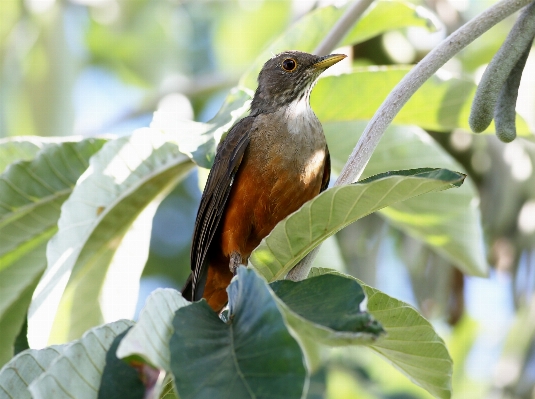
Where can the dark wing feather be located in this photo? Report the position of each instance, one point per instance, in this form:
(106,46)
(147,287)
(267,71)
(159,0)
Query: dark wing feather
(326,171)
(214,198)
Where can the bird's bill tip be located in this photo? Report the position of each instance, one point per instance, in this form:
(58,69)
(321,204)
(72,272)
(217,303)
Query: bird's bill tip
(329,60)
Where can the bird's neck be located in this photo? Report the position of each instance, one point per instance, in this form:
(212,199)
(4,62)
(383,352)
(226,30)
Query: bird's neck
(265,102)
(300,118)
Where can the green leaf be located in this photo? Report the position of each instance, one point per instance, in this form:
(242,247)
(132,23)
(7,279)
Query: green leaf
(441,104)
(330,303)
(411,344)
(123,178)
(336,208)
(14,149)
(13,316)
(387,15)
(77,372)
(199,140)
(251,356)
(233,19)
(169,391)
(310,30)
(148,340)
(31,194)
(25,148)
(24,368)
(449,222)
(119,380)
(325,310)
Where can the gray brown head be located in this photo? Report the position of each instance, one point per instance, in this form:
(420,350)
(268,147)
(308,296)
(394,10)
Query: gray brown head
(288,77)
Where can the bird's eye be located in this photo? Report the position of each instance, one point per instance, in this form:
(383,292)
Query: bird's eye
(289,64)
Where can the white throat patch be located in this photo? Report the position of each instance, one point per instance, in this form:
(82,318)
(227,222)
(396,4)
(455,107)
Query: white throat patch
(301,119)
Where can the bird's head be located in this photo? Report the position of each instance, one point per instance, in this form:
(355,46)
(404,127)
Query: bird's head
(289,77)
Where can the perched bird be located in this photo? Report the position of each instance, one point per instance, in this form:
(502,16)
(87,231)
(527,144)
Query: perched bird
(269,164)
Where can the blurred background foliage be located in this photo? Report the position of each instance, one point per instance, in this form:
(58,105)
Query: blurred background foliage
(91,67)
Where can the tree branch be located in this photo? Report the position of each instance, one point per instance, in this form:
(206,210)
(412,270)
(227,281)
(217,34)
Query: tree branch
(342,26)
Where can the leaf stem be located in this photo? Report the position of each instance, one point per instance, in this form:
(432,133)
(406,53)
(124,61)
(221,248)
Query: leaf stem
(415,78)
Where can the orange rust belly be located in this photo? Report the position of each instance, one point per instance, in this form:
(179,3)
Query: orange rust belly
(260,198)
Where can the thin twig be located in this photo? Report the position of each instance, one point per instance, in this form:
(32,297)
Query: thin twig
(402,93)
(342,27)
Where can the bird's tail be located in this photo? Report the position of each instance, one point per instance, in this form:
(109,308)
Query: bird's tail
(214,290)
(187,290)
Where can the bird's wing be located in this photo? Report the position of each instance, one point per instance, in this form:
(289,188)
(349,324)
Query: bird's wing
(214,198)
(326,171)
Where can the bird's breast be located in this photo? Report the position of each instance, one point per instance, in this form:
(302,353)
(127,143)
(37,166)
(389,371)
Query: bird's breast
(291,139)
(282,168)
(287,156)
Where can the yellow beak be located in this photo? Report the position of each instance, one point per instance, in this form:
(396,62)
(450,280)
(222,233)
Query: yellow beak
(329,60)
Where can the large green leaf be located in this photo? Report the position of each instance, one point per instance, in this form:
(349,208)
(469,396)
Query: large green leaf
(340,313)
(77,371)
(251,356)
(336,208)
(441,104)
(449,222)
(309,31)
(23,369)
(148,340)
(31,194)
(411,343)
(123,178)
(325,310)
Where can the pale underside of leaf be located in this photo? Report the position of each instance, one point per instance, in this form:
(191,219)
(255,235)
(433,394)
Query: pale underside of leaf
(331,211)
(123,178)
(77,372)
(149,338)
(16,376)
(411,344)
(448,221)
(32,191)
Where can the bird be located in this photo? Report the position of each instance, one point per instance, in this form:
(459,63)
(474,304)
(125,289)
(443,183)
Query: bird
(269,164)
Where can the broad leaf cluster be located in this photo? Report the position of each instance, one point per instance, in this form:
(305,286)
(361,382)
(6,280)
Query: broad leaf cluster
(71,211)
